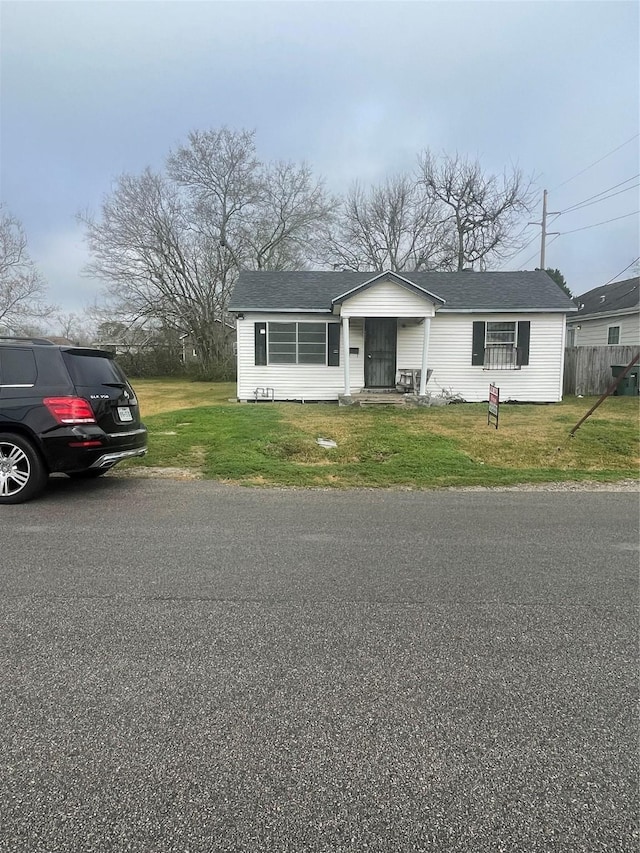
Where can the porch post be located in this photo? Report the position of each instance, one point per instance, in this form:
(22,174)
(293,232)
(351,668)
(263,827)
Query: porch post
(345,350)
(425,354)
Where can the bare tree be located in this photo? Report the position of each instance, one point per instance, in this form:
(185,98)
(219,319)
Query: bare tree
(154,264)
(74,327)
(480,211)
(284,229)
(22,289)
(169,247)
(390,226)
(261,216)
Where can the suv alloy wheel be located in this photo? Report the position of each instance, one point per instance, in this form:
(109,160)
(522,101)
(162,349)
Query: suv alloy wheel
(63,410)
(22,474)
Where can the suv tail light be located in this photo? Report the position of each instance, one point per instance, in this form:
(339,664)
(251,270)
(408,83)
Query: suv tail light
(70,410)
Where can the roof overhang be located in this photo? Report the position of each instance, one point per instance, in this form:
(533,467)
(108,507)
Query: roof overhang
(606,315)
(506,310)
(281,311)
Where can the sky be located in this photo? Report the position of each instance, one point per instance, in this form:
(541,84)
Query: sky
(95,89)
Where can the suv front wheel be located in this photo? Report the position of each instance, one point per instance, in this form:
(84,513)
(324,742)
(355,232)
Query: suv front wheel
(22,473)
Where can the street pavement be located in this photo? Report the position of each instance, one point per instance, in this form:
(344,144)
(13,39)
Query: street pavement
(191,667)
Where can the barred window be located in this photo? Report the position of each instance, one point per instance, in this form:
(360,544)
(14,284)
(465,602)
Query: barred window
(501,345)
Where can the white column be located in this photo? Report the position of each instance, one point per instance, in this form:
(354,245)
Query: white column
(425,355)
(345,356)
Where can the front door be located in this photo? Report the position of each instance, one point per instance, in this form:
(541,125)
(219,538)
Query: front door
(380,352)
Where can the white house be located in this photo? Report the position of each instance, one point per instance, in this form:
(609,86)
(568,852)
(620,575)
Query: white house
(333,335)
(608,315)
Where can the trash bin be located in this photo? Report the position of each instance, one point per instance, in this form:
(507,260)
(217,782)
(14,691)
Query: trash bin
(630,385)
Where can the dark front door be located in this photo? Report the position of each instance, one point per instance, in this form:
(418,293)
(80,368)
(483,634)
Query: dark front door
(380,352)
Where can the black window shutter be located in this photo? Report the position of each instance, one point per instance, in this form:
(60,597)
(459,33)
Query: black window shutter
(477,352)
(524,336)
(261,343)
(333,344)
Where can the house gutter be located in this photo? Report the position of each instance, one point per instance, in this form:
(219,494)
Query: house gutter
(506,310)
(603,315)
(440,310)
(281,311)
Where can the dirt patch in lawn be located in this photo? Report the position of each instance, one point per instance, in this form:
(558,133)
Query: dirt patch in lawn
(157,473)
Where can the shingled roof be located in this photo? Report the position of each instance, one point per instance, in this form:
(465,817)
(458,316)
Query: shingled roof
(609,298)
(266,291)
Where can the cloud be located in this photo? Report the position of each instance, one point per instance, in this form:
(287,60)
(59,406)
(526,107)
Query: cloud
(60,257)
(94,89)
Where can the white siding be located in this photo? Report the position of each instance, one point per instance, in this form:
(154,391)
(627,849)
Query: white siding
(594,333)
(409,347)
(295,381)
(387,299)
(450,358)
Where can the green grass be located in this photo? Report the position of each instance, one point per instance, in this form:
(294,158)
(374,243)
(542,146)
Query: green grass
(275,444)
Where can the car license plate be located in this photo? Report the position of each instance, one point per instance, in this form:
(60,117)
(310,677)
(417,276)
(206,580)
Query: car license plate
(124,413)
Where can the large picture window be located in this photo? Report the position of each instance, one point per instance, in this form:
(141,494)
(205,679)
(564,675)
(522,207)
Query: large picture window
(297,343)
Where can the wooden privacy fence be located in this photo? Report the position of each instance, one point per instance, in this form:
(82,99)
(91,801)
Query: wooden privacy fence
(587,370)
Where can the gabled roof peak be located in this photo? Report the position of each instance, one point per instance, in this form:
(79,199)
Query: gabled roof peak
(385,275)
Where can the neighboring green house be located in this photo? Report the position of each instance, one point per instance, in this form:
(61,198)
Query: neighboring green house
(607,316)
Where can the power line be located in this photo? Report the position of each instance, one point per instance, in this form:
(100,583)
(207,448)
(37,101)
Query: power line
(593,199)
(584,228)
(596,224)
(535,254)
(595,163)
(526,246)
(635,261)
(604,198)
(511,259)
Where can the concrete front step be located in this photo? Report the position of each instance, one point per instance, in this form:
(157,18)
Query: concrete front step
(381,399)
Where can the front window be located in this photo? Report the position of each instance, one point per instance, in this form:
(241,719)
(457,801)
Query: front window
(297,343)
(500,345)
(613,337)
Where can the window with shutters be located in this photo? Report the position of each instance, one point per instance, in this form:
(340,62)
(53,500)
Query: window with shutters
(302,343)
(501,345)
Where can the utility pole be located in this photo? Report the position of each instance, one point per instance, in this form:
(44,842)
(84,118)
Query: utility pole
(545,233)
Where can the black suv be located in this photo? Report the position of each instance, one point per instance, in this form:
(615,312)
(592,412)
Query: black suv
(62,409)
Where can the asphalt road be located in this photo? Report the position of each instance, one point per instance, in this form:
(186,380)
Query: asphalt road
(192,667)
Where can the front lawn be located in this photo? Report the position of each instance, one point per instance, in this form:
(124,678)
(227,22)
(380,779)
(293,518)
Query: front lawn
(193,426)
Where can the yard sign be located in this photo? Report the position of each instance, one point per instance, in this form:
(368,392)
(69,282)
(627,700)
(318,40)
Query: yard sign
(494,404)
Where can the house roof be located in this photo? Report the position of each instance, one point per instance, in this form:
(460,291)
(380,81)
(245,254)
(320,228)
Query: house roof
(267,291)
(60,340)
(609,298)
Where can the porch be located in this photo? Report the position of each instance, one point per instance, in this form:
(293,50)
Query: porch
(385,355)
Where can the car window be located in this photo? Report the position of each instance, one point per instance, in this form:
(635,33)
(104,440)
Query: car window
(17,367)
(92,369)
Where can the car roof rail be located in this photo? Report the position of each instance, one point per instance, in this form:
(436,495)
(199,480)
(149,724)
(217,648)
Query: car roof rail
(28,340)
